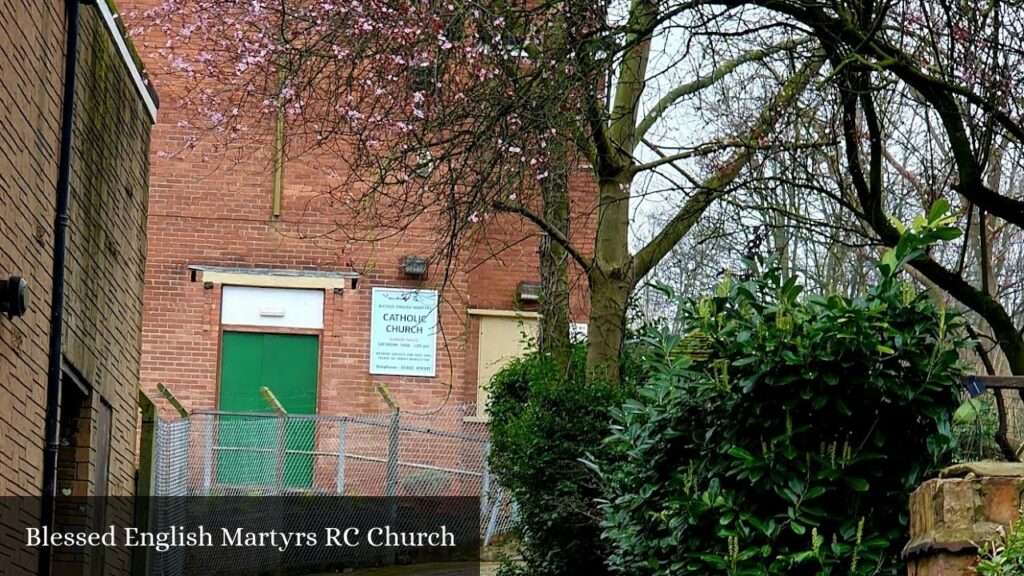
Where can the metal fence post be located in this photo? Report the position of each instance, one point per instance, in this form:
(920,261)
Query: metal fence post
(282,437)
(282,448)
(392,461)
(485,479)
(340,477)
(208,454)
(492,522)
(159,451)
(391,488)
(183,436)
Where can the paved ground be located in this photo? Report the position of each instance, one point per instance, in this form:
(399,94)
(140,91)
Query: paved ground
(486,569)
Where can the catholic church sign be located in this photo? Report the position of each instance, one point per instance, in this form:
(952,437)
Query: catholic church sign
(403,332)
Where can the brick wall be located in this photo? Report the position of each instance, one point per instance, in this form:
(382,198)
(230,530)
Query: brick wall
(214,208)
(106,250)
(106,236)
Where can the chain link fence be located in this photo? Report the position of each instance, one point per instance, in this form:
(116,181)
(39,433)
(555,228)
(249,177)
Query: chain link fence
(396,454)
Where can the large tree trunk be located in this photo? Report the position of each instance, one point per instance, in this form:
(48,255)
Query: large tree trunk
(553,339)
(609,296)
(611,281)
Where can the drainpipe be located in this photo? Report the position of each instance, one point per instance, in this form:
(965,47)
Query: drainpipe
(60,225)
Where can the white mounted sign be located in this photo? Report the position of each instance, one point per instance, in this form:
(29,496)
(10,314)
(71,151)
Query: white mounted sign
(403,332)
(274,307)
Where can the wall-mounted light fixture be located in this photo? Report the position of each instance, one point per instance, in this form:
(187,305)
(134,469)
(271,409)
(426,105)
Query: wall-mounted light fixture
(424,165)
(13,296)
(529,291)
(415,266)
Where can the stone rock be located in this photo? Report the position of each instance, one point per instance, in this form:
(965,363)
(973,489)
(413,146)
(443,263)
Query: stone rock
(952,516)
(990,469)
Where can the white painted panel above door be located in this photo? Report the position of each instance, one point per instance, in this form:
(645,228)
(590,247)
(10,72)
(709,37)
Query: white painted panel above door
(275,307)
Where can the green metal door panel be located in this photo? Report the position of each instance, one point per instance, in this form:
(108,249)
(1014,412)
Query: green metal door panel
(290,370)
(240,376)
(286,364)
(237,461)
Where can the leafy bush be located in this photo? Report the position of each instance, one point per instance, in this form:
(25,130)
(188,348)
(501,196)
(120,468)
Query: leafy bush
(542,423)
(1004,558)
(782,435)
(975,424)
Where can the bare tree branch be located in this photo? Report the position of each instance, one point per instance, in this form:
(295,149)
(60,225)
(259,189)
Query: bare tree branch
(683,90)
(548,229)
(718,184)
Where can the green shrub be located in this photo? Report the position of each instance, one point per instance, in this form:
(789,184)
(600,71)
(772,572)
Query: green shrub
(783,435)
(1005,558)
(543,423)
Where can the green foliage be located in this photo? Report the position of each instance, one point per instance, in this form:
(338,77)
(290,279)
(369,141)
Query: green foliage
(791,443)
(975,424)
(935,226)
(1004,558)
(542,424)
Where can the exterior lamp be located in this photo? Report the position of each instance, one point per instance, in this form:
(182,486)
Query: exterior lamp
(424,164)
(529,291)
(414,266)
(13,296)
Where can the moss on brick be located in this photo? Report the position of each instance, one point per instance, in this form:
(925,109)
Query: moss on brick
(132,50)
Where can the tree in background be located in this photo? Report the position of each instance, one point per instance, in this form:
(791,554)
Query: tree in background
(922,101)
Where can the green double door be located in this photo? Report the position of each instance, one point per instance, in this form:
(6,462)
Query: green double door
(287,365)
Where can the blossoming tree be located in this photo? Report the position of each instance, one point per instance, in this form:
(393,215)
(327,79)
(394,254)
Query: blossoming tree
(464,110)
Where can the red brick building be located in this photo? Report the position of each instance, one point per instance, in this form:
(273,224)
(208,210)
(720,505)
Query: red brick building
(233,279)
(106,238)
(105,259)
